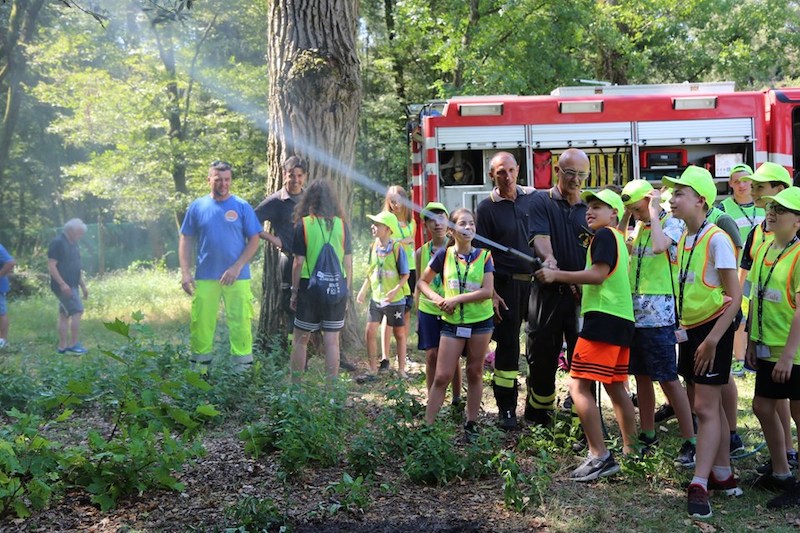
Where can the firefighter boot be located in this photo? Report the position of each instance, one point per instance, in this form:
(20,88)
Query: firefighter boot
(506,399)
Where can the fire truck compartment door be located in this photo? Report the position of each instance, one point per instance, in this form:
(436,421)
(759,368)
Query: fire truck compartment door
(584,135)
(480,137)
(712,131)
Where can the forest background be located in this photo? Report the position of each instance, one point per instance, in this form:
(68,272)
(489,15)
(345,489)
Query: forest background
(113,109)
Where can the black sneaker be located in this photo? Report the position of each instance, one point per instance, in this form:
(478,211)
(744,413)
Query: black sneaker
(773,484)
(593,468)
(698,502)
(508,421)
(685,456)
(346,365)
(384,366)
(538,417)
(647,443)
(766,466)
(470,432)
(790,498)
(664,413)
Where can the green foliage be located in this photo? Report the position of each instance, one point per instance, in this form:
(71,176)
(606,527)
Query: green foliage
(305,425)
(251,514)
(433,460)
(28,466)
(349,494)
(521,488)
(17,388)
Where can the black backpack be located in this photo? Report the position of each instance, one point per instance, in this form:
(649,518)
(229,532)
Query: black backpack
(327,284)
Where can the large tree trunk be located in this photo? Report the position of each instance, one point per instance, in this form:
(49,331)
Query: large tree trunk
(314,103)
(21,26)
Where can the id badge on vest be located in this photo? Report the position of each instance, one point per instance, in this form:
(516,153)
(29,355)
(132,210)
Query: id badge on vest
(681,335)
(762,351)
(463,333)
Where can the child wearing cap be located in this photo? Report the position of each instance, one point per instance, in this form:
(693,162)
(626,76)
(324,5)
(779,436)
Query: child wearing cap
(747,215)
(769,179)
(387,274)
(653,251)
(709,298)
(429,321)
(774,344)
(602,351)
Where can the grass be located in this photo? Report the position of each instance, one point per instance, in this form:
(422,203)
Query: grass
(647,497)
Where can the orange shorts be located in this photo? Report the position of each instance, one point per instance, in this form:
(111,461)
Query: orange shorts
(599,361)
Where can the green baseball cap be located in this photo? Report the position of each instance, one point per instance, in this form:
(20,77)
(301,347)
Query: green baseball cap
(635,190)
(608,197)
(700,180)
(741,167)
(788,198)
(770,171)
(433,207)
(387,219)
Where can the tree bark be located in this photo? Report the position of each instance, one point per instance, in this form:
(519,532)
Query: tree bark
(21,25)
(314,103)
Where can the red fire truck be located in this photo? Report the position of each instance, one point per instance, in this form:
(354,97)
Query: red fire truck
(628,131)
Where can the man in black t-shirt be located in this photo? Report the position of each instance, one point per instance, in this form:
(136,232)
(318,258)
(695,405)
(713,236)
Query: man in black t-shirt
(278,209)
(503,218)
(560,236)
(64,265)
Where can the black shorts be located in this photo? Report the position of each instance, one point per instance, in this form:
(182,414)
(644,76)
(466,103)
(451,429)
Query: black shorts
(767,388)
(311,316)
(721,370)
(394,313)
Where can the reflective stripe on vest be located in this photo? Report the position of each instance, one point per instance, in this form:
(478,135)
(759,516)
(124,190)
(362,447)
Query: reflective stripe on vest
(473,311)
(425,305)
(700,300)
(383,274)
(611,296)
(317,232)
(779,299)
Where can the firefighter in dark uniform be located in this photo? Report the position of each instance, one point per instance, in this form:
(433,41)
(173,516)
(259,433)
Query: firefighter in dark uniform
(503,218)
(560,238)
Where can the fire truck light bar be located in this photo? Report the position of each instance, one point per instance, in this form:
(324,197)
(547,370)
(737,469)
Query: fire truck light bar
(480,110)
(694,102)
(591,106)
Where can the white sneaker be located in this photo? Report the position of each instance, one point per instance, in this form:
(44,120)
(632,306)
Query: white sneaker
(3,343)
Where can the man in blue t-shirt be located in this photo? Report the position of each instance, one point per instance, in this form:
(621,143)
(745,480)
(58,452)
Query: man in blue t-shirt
(7,264)
(224,229)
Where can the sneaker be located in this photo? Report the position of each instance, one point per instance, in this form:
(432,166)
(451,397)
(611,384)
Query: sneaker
(790,498)
(347,366)
(3,343)
(647,443)
(728,487)
(593,468)
(61,351)
(508,420)
(77,349)
(737,368)
(566,405)
(456,401)
(366,378)
(698,502)
(664,413)
(686,455)
(384,366)
(563,364)
(766,466)
(736,444)
(470,432)
(773,484)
